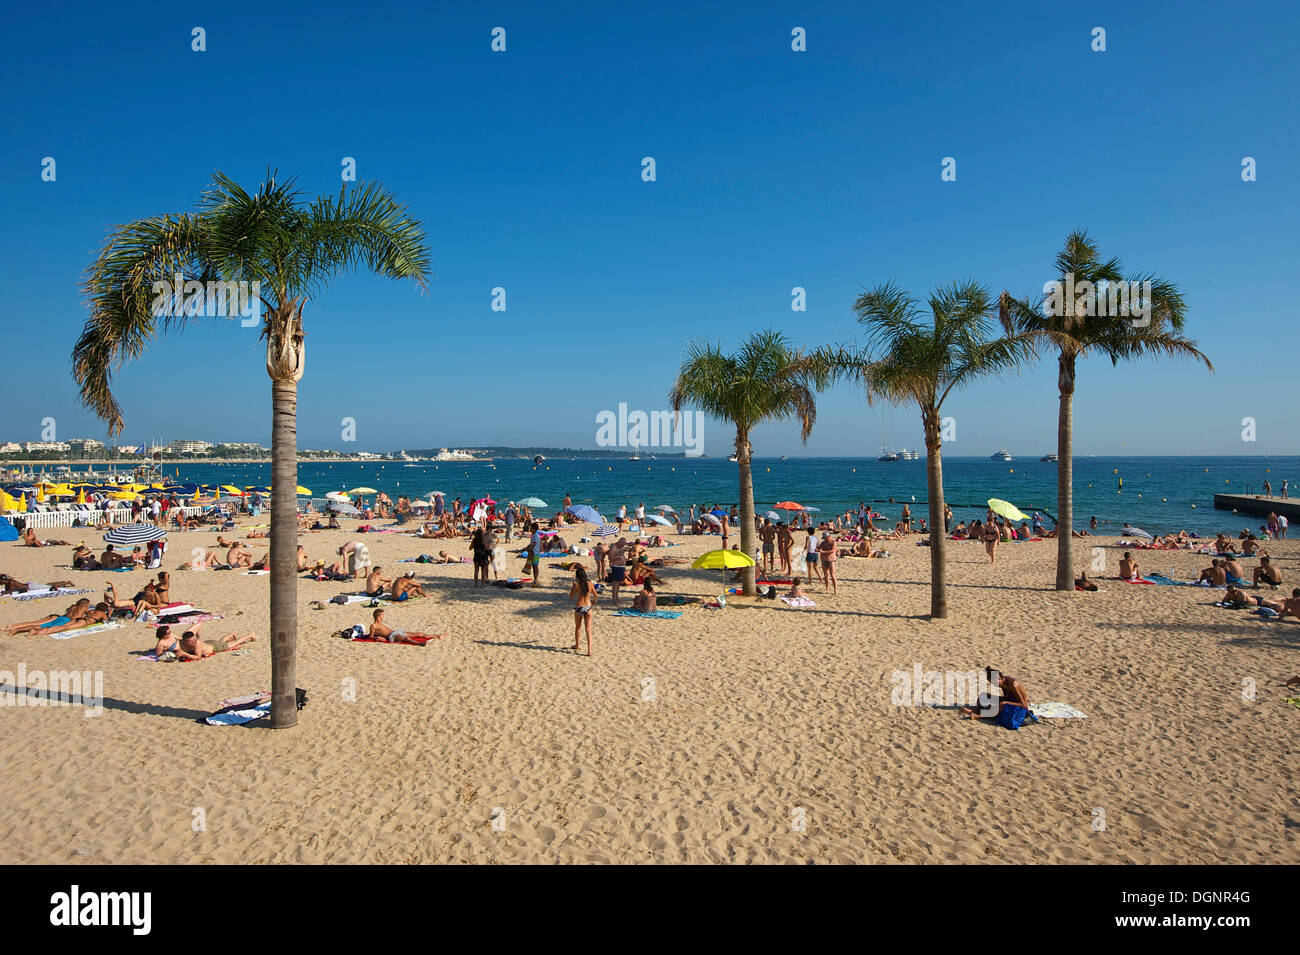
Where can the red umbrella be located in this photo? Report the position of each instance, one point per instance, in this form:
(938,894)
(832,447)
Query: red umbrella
(788,506)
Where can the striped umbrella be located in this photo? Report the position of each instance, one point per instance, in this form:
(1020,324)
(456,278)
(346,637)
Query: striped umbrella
(129,535)
(605,530)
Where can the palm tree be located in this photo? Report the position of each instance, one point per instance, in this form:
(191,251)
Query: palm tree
(765,381)
(911,359)
(1067,318)
(287,250)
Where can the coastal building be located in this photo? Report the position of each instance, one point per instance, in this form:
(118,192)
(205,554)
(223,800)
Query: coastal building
(56,447)
(188,447)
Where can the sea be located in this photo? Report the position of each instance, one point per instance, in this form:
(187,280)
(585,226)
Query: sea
(1158,494)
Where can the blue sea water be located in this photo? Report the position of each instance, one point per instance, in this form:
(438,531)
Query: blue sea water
(1159,494)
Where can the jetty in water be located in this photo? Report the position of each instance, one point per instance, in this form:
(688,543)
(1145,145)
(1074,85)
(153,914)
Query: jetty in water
(1258,505)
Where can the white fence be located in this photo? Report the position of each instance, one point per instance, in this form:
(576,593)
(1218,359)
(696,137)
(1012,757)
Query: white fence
(92,518)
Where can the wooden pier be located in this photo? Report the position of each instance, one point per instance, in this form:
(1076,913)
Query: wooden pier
(1257,505)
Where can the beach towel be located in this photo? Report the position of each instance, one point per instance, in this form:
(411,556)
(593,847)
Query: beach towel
(1265,612)
(798,601)
(413,641)
(82,631)
(255,573)
(514,583)
(253,707)
(656,614)
(1056,711)
(183,620)
(1139,580)
(1164,581)
(46,592)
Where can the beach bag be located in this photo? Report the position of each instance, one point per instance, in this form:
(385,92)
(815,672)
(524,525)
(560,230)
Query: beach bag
(1011,716)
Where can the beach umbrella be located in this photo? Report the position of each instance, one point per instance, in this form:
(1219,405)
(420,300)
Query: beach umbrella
(129,535)
(341,507)
(336,496)
(302,490)
(363,490)
(416,504)
(723,559)
(437,494)
(710,517)
(772,516)
(787,506)
(718,512)
(232,490)
(1129,530)
(584,513)
(665,509)
(812,510)
(266,490)
(533,502)
(658,520)
(1006,509)
(605,530)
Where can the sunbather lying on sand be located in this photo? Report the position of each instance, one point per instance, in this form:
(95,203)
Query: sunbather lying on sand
(381,631)
(1083,583)
(72,614)
(193,647)
(31,540)
(1239,599)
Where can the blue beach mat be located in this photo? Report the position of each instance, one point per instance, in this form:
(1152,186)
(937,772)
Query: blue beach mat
(657,614)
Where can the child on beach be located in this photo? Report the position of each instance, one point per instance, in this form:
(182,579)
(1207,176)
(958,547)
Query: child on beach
(584,593)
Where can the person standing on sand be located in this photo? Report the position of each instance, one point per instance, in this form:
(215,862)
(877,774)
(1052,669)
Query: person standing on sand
(767,534)
(826,553)
(532,556)
(584,593)
(617,567)
(991,536)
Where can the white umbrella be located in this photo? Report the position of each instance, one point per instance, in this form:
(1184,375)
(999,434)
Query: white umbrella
(337,496)
(665,509)
(710,517)
(658,520)
(1129,531)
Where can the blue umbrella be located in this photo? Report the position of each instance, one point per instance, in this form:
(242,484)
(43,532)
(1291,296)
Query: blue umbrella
(129,535)
(658,520)
(814,510)
(718,512)
(584,513)
(605,530)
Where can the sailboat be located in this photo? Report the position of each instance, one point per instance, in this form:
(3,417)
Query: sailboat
(887,452)
(636,455)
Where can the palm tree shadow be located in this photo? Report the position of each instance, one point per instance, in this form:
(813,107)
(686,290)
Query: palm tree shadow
(522,646)
(109,703)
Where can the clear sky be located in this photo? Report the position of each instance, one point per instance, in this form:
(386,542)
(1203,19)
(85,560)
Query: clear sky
(775,169)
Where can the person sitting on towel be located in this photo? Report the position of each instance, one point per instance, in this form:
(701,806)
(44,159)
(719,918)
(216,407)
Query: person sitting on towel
(1250,547)
(386,634)
(1214,575)
(645,600)
(1267,573)
(796,588)
(1010,691)
(404,588)
(194,647)
(1232,567)
(1128,567)
(375,582)
(1291,605)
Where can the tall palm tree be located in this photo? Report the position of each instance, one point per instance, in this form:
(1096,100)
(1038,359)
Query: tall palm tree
(765,381)
(910,358)
(287,249)
(1067,318)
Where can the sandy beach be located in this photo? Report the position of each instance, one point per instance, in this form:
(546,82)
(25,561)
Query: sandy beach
(770,735)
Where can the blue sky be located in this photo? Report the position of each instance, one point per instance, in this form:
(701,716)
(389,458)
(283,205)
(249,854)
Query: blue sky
(775,169)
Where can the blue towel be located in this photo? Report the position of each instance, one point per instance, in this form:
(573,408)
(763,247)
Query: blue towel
(659,614)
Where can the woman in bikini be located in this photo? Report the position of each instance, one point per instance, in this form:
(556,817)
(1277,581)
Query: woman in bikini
(991,535)
(167,645)
(74,614)
(583,592)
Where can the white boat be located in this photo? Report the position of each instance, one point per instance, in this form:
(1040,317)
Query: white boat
(1049,458)
(1001,455)
(888,454)
(907,455)
(733,458)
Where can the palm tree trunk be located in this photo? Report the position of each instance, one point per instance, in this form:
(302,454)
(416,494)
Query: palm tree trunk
(743,459)
(1065,475)
(285,358)
(284,546)
(938,539)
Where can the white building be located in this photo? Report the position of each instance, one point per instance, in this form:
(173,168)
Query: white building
(56,446)
(189,447)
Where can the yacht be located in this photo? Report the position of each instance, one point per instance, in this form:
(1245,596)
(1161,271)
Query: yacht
(1049,458)
(733,457)
(907,455)
(889,454)
(636,453)
(1001,455)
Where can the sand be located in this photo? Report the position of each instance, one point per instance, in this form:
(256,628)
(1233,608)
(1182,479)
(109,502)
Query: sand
(771,735)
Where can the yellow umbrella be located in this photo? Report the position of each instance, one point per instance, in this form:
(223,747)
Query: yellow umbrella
(1007,510)
(231,489)
(724,559)
(81,496)
(363,490)
(40,493)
